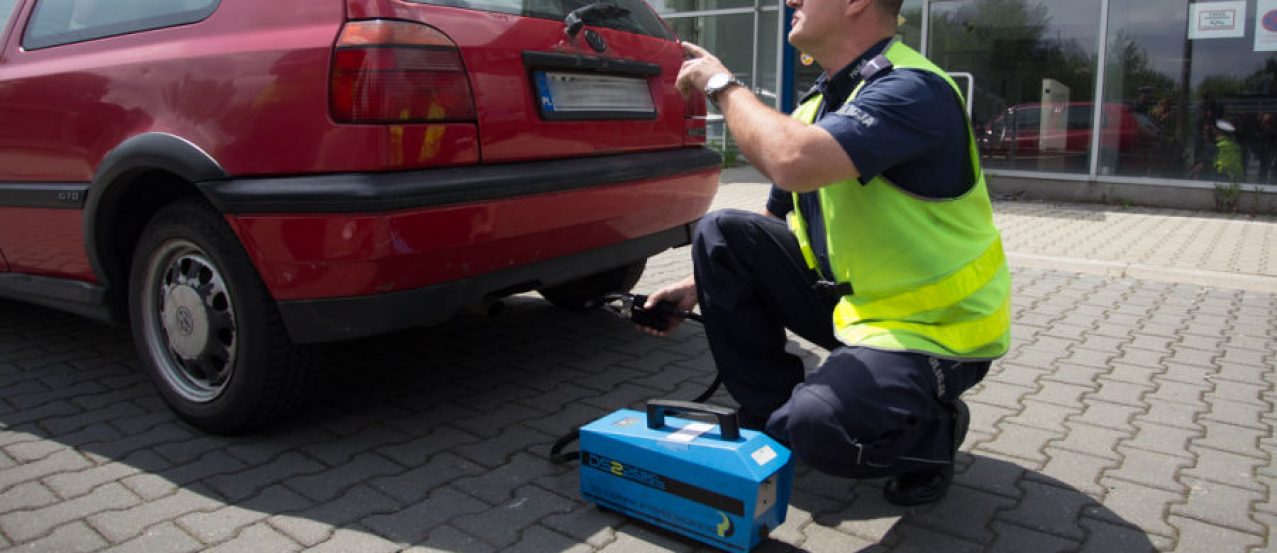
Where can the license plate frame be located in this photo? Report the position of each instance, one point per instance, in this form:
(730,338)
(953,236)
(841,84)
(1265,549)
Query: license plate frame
(575,96)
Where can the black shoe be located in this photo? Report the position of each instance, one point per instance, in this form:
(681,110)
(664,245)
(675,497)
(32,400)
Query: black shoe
(930,484)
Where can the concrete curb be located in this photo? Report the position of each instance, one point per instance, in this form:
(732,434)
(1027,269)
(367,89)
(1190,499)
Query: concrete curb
(1216,279)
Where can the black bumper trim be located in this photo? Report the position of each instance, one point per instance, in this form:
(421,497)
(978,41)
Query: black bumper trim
(324,320)
(370,192)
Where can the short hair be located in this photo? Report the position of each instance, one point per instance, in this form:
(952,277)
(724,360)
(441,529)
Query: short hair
(890,7)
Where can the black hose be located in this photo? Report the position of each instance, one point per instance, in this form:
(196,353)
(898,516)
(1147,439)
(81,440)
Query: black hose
(632,308)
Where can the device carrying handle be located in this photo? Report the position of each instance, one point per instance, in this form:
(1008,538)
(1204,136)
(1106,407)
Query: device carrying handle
(729,427)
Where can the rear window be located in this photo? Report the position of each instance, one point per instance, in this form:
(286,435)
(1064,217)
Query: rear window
(640,19)
(6,9)
(55,22)
(1080,117)
(1027,118)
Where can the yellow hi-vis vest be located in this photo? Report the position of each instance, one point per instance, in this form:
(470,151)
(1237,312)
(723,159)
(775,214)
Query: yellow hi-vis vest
(927,275)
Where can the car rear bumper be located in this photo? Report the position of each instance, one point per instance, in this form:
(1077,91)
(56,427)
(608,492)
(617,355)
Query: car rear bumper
(353,255)
(324,320)
(379,192)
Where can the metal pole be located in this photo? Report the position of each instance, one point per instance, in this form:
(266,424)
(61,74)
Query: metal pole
(1097,118)
(781,40)
(753,62)
(1183,129)
(926,28)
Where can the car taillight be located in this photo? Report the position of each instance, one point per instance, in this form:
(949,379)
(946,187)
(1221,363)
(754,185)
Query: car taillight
(398,72)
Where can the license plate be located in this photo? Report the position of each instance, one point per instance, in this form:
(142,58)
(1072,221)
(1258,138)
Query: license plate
(564,95)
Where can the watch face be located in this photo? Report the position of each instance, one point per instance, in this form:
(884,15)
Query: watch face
(718,81)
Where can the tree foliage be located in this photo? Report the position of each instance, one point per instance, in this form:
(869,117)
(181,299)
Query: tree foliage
(1129,70)
(1010,47)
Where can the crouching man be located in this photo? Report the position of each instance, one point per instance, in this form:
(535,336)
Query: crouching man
(877,243)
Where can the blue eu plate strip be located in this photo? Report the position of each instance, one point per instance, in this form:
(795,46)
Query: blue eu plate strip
(543,90)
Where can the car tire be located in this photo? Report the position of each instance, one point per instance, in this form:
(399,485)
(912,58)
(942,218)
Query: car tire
(205,328)
(581,293)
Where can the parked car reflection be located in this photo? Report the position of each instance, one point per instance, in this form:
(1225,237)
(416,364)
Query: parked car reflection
(1058,137)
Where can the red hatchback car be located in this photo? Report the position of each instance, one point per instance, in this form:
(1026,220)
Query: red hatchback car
(235,178)
(1132,135)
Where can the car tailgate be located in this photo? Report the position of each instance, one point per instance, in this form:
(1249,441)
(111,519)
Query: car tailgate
(541,92)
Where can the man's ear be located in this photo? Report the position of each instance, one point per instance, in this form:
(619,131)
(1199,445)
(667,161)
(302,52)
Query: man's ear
(856,7)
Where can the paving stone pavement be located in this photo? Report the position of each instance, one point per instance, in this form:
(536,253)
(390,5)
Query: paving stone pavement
(1134,413)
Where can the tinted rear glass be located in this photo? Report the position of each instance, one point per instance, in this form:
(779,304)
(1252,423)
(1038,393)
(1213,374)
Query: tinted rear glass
(6,8)
(55,22)
(640,19)
(1080,117)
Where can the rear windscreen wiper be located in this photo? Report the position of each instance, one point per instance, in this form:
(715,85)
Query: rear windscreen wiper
(598,11)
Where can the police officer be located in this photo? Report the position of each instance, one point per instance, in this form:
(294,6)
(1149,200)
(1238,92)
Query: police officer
(877,243)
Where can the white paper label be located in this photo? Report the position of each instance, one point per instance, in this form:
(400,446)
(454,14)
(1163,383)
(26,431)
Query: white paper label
(763,455)
(690,432)
(1217,19)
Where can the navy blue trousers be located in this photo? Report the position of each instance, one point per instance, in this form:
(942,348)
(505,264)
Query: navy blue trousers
(863,413)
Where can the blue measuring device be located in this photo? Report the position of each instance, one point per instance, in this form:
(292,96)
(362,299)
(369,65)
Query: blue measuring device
(716,483)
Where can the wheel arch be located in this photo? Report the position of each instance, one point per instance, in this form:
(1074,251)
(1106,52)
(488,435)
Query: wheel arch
(133,182)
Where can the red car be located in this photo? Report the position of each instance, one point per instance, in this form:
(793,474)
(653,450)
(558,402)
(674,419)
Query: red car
(1132,136)
(237,178)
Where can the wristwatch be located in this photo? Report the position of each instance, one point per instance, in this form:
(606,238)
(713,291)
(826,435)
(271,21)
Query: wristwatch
(718,83)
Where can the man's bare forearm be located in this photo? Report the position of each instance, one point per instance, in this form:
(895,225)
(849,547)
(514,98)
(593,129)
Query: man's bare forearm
(796,156)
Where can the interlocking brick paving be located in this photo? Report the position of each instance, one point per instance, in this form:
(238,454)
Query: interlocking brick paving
(1134,413)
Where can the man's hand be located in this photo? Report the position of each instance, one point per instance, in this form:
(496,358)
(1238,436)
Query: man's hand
(682,294)
(796,156)
(699,66)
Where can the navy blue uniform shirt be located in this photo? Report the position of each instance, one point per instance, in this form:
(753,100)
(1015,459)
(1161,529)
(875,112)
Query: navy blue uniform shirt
(906,125)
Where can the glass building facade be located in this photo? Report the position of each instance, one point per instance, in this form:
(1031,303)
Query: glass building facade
(1176,93)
